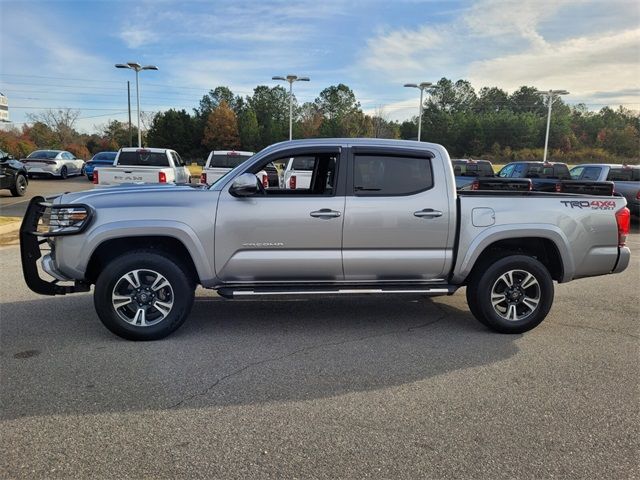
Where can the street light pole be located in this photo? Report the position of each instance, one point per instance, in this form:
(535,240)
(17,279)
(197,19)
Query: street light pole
(129,105)
(551,94)
(137,68)
(421,86)
(291,79)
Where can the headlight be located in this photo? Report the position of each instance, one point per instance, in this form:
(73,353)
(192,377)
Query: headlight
(63,219)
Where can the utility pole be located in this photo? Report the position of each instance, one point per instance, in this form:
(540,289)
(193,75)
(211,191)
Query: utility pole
(551,95)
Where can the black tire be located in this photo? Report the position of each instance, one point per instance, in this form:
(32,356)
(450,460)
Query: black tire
(90,178)
(64,173)
(82,170)
(20,186)
(517,300)
(180,293)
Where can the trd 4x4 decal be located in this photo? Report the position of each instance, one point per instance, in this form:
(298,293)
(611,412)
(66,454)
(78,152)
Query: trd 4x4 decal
(593,204)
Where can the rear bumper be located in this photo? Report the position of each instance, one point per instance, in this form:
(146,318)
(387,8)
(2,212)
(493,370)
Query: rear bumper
(30,253)
(624,256)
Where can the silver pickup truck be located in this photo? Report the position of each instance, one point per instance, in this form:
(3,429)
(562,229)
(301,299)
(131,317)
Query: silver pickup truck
(379,216)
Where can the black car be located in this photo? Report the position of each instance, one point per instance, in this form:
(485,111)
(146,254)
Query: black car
(13,175)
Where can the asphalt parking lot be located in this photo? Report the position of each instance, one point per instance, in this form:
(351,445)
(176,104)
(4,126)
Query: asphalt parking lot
(359,387)
(16,206)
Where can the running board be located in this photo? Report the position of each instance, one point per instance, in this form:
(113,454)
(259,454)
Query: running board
(229,292)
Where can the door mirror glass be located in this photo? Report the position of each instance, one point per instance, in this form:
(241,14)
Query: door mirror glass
(245,185)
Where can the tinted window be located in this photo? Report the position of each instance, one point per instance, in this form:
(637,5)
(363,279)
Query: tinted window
(229,160)
(143,158)
(105,156)
(624,174)
(303,163)
(591,173)
(390,175)
(48,154)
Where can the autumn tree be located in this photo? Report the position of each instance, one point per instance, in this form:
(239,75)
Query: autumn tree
(221,129)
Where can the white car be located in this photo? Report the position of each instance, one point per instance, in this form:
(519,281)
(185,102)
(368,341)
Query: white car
(219,162)
(53,163)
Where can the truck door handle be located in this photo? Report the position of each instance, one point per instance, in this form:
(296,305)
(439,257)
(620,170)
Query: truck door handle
(325,213)
(427,213)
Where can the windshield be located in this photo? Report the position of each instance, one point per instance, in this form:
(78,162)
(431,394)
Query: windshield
(110,156)
(47,154)
(228,160)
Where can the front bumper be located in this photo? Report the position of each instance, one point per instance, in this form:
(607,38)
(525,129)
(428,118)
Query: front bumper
(30,252)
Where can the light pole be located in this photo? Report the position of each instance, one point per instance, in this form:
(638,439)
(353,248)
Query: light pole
(551,94)
(421,86)
(291,79)
(137,67)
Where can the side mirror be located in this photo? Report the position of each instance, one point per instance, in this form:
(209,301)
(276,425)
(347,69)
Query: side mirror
(245,185)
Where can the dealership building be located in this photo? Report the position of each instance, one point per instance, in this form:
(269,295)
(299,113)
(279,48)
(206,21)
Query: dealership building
(4,108)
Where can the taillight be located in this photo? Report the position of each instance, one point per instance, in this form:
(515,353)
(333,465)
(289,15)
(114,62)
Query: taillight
(292,182)
(265,181)
(638,195)
(530,186)
(203,177)
(558,187)
(162,177)
(475,185)
(95,177)
(623,218)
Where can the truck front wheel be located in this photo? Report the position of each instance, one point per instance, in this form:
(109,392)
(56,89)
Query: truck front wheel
(143,295)
(512,295)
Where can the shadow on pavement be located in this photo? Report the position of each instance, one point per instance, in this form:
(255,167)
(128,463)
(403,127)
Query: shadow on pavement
(57,358)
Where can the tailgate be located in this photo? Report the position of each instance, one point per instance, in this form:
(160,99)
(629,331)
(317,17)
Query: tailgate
(117,175)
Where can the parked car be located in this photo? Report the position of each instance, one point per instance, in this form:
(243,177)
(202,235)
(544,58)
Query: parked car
(379,216)
(465,170)
(221,162)
(143,165)
(625,178)
(553,177)
(53,163)
(13,175)
(104,159)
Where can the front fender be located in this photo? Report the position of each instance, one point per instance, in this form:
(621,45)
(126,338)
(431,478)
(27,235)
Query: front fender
(74,252)
(465,262)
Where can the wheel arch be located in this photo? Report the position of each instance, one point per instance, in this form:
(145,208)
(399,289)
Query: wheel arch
(167,245)
(549,246)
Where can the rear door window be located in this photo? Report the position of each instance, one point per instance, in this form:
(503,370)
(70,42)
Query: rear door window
(388,175)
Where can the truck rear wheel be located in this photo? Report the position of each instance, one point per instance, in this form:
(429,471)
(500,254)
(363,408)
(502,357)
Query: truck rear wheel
(512,295)
(143,295)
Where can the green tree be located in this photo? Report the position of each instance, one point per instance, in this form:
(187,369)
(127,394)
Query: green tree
(271,106)
(249,130)
(173,129)
(340,109)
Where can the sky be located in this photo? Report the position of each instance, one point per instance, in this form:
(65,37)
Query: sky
(57,54)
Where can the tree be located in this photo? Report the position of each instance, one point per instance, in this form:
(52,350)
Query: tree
(309,121)
(525,99)
(271,106)
(340,109)
(61,123)
(173,129)
(212,100)
(248,130)
(221,129)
